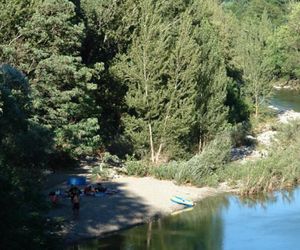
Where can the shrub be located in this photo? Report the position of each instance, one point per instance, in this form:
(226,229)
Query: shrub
(137,168)
(214,156)
(101,171)
(166,171)
(239,133)
(111,159)
(200,167)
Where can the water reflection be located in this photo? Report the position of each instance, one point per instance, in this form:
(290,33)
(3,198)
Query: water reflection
(201,228)
(219,223)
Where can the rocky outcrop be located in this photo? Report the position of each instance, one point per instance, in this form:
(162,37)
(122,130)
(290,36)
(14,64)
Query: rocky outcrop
(265,138)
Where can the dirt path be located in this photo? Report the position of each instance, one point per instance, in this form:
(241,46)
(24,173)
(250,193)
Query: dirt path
(138,200)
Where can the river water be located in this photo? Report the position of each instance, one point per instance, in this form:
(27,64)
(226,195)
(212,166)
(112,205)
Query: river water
(218,223)
(286,99)
(224,222)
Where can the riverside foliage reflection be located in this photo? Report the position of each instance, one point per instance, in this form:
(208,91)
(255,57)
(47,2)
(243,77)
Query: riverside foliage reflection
(225,222)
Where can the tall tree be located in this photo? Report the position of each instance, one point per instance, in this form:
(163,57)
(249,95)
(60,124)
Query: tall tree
(108,27)
(143,70)
(211,112)
(252,49)
(23,152)
(180,92)
(287,45)
(63,91)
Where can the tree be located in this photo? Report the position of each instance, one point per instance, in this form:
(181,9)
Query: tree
(286,46)
(108,29)
(243,9)
(143,71)
(211,112)
(178,117)
(252,49)
(23,153)
(62,87)
(12,16)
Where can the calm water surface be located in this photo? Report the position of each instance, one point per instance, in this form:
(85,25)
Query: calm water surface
(286,99)
(218,223)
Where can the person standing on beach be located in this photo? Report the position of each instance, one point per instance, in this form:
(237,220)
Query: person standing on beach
(75,204)
(74,193)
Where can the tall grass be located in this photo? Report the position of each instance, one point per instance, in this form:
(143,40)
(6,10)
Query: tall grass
(200,167)
(279,170)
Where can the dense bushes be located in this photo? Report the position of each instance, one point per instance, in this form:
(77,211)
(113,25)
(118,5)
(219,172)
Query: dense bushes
(214,156)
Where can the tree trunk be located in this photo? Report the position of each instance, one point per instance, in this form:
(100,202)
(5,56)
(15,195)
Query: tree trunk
(151,143)
(158,153)
(256,106)
(200,145)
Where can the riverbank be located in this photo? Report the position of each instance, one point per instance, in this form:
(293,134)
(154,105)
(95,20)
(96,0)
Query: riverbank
(138,200)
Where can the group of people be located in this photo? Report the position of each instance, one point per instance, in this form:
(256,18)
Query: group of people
(74,193)
(93,189)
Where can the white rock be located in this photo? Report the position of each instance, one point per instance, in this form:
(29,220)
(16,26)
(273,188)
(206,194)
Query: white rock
(266,137)
(288,116)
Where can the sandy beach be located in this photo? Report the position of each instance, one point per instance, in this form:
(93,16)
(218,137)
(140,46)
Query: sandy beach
(137,200)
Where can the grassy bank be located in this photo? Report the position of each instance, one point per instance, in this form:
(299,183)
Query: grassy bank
(280,169)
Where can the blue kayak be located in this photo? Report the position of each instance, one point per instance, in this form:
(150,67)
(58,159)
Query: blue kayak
(182,201)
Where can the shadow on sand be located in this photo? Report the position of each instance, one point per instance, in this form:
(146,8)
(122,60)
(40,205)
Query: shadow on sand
(97,215)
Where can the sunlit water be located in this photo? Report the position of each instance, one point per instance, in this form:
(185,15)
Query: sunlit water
(286,99)
(218,223)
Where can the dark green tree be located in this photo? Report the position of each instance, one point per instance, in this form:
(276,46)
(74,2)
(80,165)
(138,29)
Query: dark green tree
(24,148)
(253,57)
(62,86)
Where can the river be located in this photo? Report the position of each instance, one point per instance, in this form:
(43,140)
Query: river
(218,223)
(286,99)
(225,222)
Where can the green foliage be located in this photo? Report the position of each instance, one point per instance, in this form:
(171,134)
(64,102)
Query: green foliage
(137,168)
(239,133)
(62,87)
(107,32)
(199,169)
(252,55)
(214,156)
(101,171)
(166,171)
(176,76)
(19,135)
(254,8)
(111,159)
(279,170)
(24,149)
(286,46)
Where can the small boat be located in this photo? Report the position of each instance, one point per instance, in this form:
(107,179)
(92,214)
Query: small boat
(182,201)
